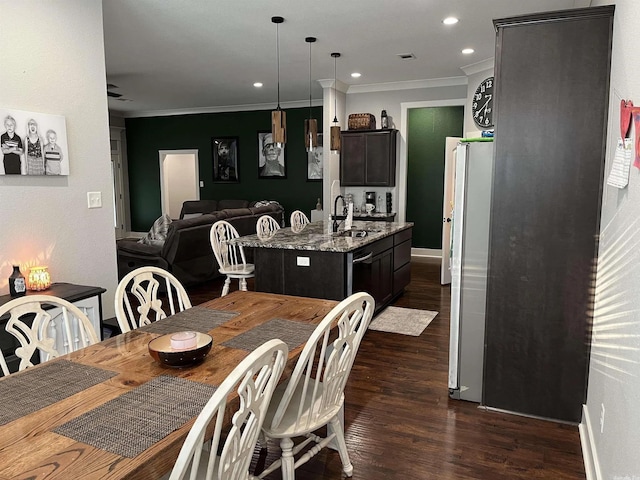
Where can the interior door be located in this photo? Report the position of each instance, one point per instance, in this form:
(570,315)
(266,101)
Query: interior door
(447,207)
(179,180)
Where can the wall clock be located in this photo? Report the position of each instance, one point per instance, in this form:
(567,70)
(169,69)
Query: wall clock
(482,106)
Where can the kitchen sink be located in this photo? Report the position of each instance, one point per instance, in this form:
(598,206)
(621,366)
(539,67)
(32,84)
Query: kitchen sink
(355,232)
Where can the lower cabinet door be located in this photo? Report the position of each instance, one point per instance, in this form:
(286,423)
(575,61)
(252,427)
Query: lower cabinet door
(382,277)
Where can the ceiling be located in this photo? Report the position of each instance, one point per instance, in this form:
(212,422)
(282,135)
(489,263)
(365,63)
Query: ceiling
(204,55)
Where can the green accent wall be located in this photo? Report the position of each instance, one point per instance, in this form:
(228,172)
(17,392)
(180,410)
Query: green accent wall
(427,129)
(147,136)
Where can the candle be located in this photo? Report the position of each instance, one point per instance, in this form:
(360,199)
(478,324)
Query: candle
(39,278)
(183,340)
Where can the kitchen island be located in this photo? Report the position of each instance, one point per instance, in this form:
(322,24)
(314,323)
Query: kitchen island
(373,257)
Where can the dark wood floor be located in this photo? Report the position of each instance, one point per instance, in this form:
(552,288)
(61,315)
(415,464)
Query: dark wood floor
(400,422)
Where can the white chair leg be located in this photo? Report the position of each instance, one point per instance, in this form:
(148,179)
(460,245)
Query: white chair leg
(288,464)
(243,284)
(340,415)
(335,426)
(225,288)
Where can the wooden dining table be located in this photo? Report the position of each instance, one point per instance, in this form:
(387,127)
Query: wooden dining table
(29,447)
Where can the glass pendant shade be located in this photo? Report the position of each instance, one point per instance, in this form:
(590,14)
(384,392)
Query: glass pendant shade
(311,134)
(335,138)
(278,117)
(279,127)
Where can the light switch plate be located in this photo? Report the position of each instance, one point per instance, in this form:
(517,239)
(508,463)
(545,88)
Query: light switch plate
(94,199)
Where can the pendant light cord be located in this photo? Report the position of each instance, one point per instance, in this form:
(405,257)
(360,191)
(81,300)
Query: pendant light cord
(310,80)
(278,55)
(335,92)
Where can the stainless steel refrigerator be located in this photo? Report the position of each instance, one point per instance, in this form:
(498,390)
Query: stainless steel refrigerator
(469,256)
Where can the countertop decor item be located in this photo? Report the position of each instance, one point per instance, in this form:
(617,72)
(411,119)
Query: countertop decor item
(17,284)
(39,279)
(162,349)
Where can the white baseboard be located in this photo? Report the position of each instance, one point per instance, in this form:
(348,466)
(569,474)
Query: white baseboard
(589,453)
(426,252)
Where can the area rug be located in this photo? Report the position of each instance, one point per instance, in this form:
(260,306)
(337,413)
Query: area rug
(406,321)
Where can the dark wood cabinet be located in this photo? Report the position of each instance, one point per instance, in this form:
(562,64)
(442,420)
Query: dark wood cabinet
(551,104)
(368,158)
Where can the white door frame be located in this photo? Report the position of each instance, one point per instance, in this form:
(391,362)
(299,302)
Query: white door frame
(404,162)
(162,154)
(119,193)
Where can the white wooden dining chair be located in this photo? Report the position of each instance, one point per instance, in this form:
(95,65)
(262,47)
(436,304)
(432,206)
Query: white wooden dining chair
(266,226)
(3,365)
(298,219)
(48,325)
(230,258)
(255,379)
(314,395)
(148,294)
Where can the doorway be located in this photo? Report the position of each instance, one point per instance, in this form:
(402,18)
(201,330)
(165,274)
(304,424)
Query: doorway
(118,176)
(179,179)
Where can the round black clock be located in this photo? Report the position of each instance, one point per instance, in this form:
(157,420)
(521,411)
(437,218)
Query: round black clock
(482,106)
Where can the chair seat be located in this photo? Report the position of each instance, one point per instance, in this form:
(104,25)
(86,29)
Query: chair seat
(287,427)
(240,269)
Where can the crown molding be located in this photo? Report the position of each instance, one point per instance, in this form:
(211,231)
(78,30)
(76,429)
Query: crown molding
(478,67)
(223,109)
(328,83)
(408,85)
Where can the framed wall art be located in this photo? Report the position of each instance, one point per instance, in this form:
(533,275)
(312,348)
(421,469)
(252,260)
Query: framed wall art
(271,159)
(33,143)
(314,162)
(225,159)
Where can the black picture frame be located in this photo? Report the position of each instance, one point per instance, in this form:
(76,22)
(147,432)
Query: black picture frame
(275,171)
(226,161)
(315,163)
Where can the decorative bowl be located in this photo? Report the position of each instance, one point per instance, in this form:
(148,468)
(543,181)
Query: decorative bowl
(162,352)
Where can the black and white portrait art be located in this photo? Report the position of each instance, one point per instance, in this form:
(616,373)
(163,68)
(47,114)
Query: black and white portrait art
(225,159)
(33,143)
(271,160)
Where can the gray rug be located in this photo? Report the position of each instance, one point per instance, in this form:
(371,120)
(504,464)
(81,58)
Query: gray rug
(406,321)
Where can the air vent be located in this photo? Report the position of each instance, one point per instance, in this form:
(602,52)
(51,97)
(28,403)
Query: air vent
(407,56)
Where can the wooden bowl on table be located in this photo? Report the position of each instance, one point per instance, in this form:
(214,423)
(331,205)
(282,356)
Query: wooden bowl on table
(180,352)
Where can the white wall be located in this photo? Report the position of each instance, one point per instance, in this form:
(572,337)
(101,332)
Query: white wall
(52,61)
(614,376)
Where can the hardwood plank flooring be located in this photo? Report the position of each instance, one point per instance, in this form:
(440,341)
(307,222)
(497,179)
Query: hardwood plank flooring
(401,423)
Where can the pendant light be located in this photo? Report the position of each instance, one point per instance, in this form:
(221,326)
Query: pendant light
(278,117)
(335,128)
(310,124)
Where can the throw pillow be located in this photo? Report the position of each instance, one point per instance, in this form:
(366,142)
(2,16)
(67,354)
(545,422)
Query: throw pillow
(158,233)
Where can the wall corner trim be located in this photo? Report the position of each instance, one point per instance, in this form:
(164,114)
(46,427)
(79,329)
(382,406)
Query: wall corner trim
(589,453)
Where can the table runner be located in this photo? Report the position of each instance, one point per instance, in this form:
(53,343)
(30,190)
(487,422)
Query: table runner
(131,423)
(197,319)
(38,387)
(292,333)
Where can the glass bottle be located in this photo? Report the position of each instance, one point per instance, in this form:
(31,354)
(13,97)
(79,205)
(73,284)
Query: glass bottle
(17,283)
(384,120)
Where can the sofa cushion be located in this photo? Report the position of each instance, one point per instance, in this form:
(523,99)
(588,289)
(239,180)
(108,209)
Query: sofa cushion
(264,209)
(226,204)
(236,212)
(190,207)
(158,233)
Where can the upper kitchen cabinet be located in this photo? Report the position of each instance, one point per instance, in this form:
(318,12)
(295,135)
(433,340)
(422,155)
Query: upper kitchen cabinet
(551,105)
(368,158)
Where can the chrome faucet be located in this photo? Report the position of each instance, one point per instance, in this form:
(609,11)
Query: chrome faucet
(335,213)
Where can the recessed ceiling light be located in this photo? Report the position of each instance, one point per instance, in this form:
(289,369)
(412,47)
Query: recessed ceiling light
(356,75)
(257,84)
(450,21)
(468,51)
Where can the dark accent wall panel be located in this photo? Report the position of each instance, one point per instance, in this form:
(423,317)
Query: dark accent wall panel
(148,135)
(552,90)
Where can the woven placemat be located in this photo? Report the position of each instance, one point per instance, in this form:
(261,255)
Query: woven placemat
(197,319)
(134,421)
(292,333)
(38,387)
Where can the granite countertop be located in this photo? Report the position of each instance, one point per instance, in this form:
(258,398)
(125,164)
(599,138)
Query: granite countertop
(314,236)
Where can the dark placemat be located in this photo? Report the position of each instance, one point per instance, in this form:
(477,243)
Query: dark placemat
(197,319)
(134,421)
(38,387)
(292,333)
